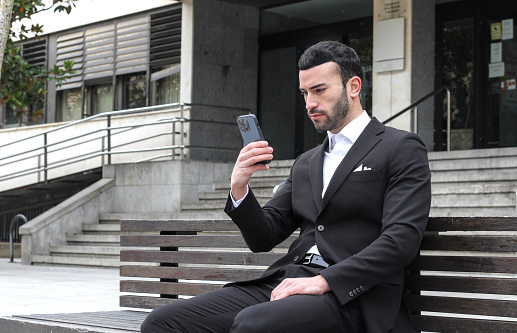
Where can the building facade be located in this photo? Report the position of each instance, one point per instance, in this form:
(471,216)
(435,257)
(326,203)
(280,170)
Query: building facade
(230,57)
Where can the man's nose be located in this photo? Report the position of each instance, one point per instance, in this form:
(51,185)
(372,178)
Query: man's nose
(310,102)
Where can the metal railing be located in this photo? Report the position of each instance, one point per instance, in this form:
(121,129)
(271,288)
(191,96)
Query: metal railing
(65,144)
(415,110)
(11,232)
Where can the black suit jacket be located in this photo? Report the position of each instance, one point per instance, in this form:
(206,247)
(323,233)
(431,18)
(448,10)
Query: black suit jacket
(368,226)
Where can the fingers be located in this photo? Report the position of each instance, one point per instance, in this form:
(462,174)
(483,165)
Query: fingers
(285,289)
(255,152)
(246,165)
(316,285)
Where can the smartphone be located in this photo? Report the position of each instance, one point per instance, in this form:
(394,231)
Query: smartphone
(250,130)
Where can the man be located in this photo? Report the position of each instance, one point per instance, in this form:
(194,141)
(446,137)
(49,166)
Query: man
(361,201)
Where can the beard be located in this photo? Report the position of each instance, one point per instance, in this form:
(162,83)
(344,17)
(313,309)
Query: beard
(335,118)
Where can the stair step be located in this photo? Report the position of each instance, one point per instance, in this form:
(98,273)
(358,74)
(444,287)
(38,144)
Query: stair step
(98,239)
(108,227)
(495,163)
(179,215)
(470,175)
(473,200)
(212,205)
(90,250)
(472,211)
(508,187)
(223,195)
(265,183)
(76,261)
(473,153)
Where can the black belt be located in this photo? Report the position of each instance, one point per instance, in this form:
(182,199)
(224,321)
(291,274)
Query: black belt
(314,260)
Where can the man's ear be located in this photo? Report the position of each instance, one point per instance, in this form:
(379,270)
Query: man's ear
(354,86)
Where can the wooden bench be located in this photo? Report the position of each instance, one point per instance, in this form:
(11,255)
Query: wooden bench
(463,280)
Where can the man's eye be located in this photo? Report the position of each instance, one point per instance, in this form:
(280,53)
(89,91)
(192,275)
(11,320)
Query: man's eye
(303,93)
(320,90)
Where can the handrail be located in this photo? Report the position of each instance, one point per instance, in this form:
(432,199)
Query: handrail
(432,94)
(103,134)
(11,230)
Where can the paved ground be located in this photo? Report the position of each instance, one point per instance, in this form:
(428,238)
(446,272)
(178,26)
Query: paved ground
(56,289)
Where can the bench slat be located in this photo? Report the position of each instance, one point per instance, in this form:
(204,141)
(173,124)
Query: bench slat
(461,325)
(144,302)
(465,264)
(200,257)
(471,224)
(470,306)
(464,284)
(469,243)
(221,241)
(169,288)
(184,241)
(192,273)
(178,225)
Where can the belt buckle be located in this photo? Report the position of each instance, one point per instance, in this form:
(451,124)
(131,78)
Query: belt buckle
(307,260)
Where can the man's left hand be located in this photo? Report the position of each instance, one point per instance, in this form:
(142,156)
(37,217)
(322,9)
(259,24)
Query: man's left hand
(316,285)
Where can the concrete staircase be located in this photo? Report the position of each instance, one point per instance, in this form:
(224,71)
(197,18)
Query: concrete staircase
(97,245)
(474,182)
(464,183)
(262,184)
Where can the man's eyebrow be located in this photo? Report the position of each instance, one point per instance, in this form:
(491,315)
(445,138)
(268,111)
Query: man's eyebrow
(314,86)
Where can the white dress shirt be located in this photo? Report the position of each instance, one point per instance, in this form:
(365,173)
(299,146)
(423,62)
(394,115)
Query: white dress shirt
(339,145)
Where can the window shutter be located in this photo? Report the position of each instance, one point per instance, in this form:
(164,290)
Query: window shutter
(70,47)
(35,52)
(165,45)
(99,52)
(132,46)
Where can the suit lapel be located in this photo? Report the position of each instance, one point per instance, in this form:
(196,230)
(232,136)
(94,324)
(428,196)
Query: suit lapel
(316,173)
(366,141)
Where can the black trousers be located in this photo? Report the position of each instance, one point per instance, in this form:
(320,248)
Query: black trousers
(246,308)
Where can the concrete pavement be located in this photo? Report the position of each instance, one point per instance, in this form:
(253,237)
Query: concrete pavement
(56,289)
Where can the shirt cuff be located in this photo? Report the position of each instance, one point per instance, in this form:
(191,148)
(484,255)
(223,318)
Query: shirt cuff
(238,202)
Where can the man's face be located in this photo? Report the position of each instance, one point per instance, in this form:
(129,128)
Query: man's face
(326,98)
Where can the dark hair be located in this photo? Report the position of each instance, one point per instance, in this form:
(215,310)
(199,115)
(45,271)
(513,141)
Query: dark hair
(323,52)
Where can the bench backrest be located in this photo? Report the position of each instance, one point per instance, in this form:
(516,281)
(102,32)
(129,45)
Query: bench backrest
(187,258)
(464,279)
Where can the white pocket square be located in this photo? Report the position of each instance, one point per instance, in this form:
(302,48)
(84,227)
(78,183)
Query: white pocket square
(362,168)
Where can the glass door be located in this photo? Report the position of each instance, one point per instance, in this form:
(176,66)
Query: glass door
(476,58)
(501,63)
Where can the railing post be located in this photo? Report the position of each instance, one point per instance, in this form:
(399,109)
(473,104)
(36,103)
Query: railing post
(45,158)
(182,128)
(108,129)
(103,148)
(173,140)
(39,168)
(11,230)
(448,119)
(415,120)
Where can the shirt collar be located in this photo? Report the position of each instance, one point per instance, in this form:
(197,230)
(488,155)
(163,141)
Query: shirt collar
(353,129)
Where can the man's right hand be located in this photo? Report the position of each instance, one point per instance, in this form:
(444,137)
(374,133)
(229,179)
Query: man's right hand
(245,166)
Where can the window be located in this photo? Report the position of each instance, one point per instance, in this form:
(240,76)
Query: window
(100,97)
(31,116)
(69,104)
(165,85)
(133,91)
